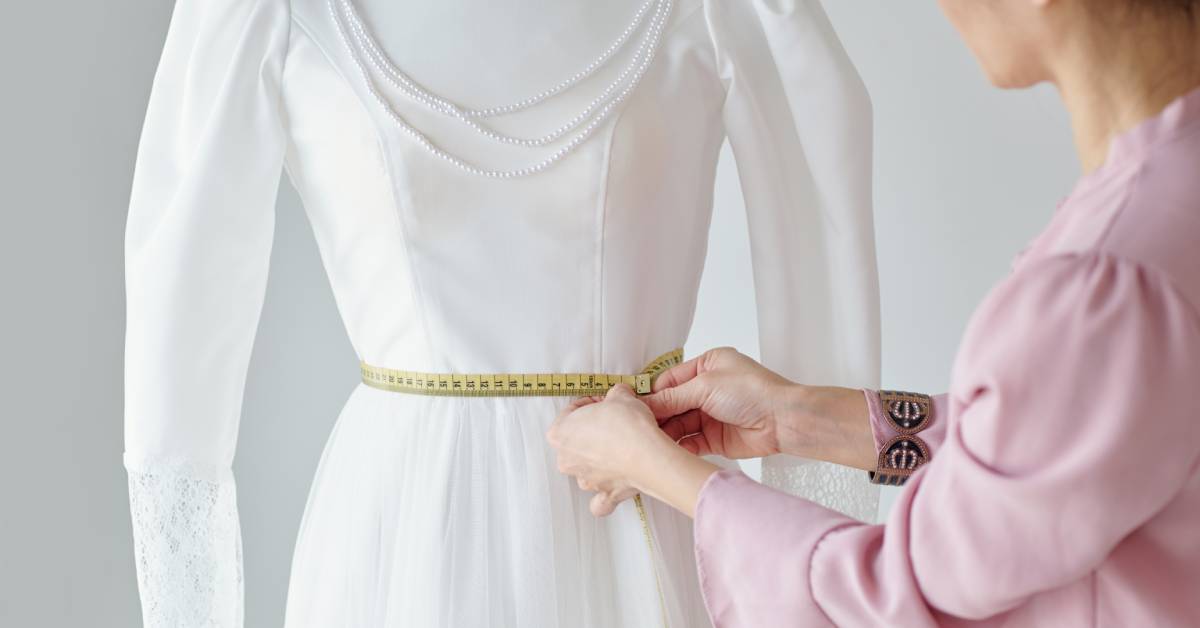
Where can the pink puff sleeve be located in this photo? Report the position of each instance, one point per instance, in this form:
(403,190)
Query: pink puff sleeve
(1072,394)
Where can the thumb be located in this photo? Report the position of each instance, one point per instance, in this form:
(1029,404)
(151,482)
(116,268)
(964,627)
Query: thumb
(620,389)
(669,402)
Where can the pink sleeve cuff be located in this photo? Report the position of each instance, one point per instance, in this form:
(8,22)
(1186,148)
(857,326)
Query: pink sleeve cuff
(754,547)
(880,428)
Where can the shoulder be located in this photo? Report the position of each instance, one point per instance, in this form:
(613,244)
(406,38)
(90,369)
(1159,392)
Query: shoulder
(1159,226)
(1147,216)
(228,23)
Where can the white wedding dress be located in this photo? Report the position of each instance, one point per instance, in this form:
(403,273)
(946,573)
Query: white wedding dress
(437,512)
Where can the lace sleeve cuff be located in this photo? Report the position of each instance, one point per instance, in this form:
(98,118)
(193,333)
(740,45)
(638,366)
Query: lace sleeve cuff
(187,544)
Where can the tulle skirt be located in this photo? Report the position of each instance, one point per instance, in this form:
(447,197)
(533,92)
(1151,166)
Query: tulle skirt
(440,512)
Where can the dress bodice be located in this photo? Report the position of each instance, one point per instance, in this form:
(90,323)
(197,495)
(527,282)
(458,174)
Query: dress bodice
(592,264)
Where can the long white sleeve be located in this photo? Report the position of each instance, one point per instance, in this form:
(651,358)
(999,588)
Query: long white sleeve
(799,121)
(197,245)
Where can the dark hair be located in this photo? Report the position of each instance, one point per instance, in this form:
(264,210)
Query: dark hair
(1159,9)
(1187,6)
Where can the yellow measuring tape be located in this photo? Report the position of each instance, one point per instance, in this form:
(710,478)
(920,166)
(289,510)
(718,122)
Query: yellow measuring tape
(514,384)
(530,385)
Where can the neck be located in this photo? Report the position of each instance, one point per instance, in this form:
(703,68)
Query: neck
(1110,83)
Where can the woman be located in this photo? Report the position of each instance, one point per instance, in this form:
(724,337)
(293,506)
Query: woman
(1058,482)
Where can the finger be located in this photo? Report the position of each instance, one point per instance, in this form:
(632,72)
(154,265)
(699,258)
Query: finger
(562,415)
(605,502)
(602,505)
(677,374)
(553,436)
(677,400)
(620,389)
(682,425)
(579,402)
(697,444)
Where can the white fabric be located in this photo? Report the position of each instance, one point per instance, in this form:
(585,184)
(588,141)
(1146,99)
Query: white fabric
(434,511)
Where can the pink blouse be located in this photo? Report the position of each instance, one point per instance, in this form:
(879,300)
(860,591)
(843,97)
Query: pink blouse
(1063,487)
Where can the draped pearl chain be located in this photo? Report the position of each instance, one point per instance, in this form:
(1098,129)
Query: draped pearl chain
(383,64)
(360,44)
(410,88)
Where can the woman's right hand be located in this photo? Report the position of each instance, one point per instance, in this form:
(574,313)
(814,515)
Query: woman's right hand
(725,403)
(721,402)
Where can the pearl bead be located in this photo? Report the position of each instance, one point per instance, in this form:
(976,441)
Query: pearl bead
(597,111)
(405,84)
(360,29)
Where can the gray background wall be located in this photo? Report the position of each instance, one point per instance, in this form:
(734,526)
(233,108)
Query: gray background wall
(965,175)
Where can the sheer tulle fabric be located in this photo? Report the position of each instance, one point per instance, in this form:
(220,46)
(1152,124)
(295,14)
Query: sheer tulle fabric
(437,511)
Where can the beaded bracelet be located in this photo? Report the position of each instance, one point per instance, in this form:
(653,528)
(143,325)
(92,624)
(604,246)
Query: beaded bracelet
(900,457)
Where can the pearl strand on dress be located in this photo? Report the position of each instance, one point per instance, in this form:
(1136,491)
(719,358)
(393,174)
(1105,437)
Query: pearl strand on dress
(413,90)
(644,63)
(384,64)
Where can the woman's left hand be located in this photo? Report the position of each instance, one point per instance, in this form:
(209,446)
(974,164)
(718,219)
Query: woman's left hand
(604,442)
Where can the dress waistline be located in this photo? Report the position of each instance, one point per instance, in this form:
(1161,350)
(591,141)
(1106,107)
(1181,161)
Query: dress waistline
(515,384)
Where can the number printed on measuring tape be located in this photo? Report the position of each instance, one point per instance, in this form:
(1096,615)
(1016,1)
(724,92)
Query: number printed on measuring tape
(515,384)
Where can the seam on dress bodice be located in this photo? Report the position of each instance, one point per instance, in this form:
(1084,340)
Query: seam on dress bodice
(415,287)
(598,300)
